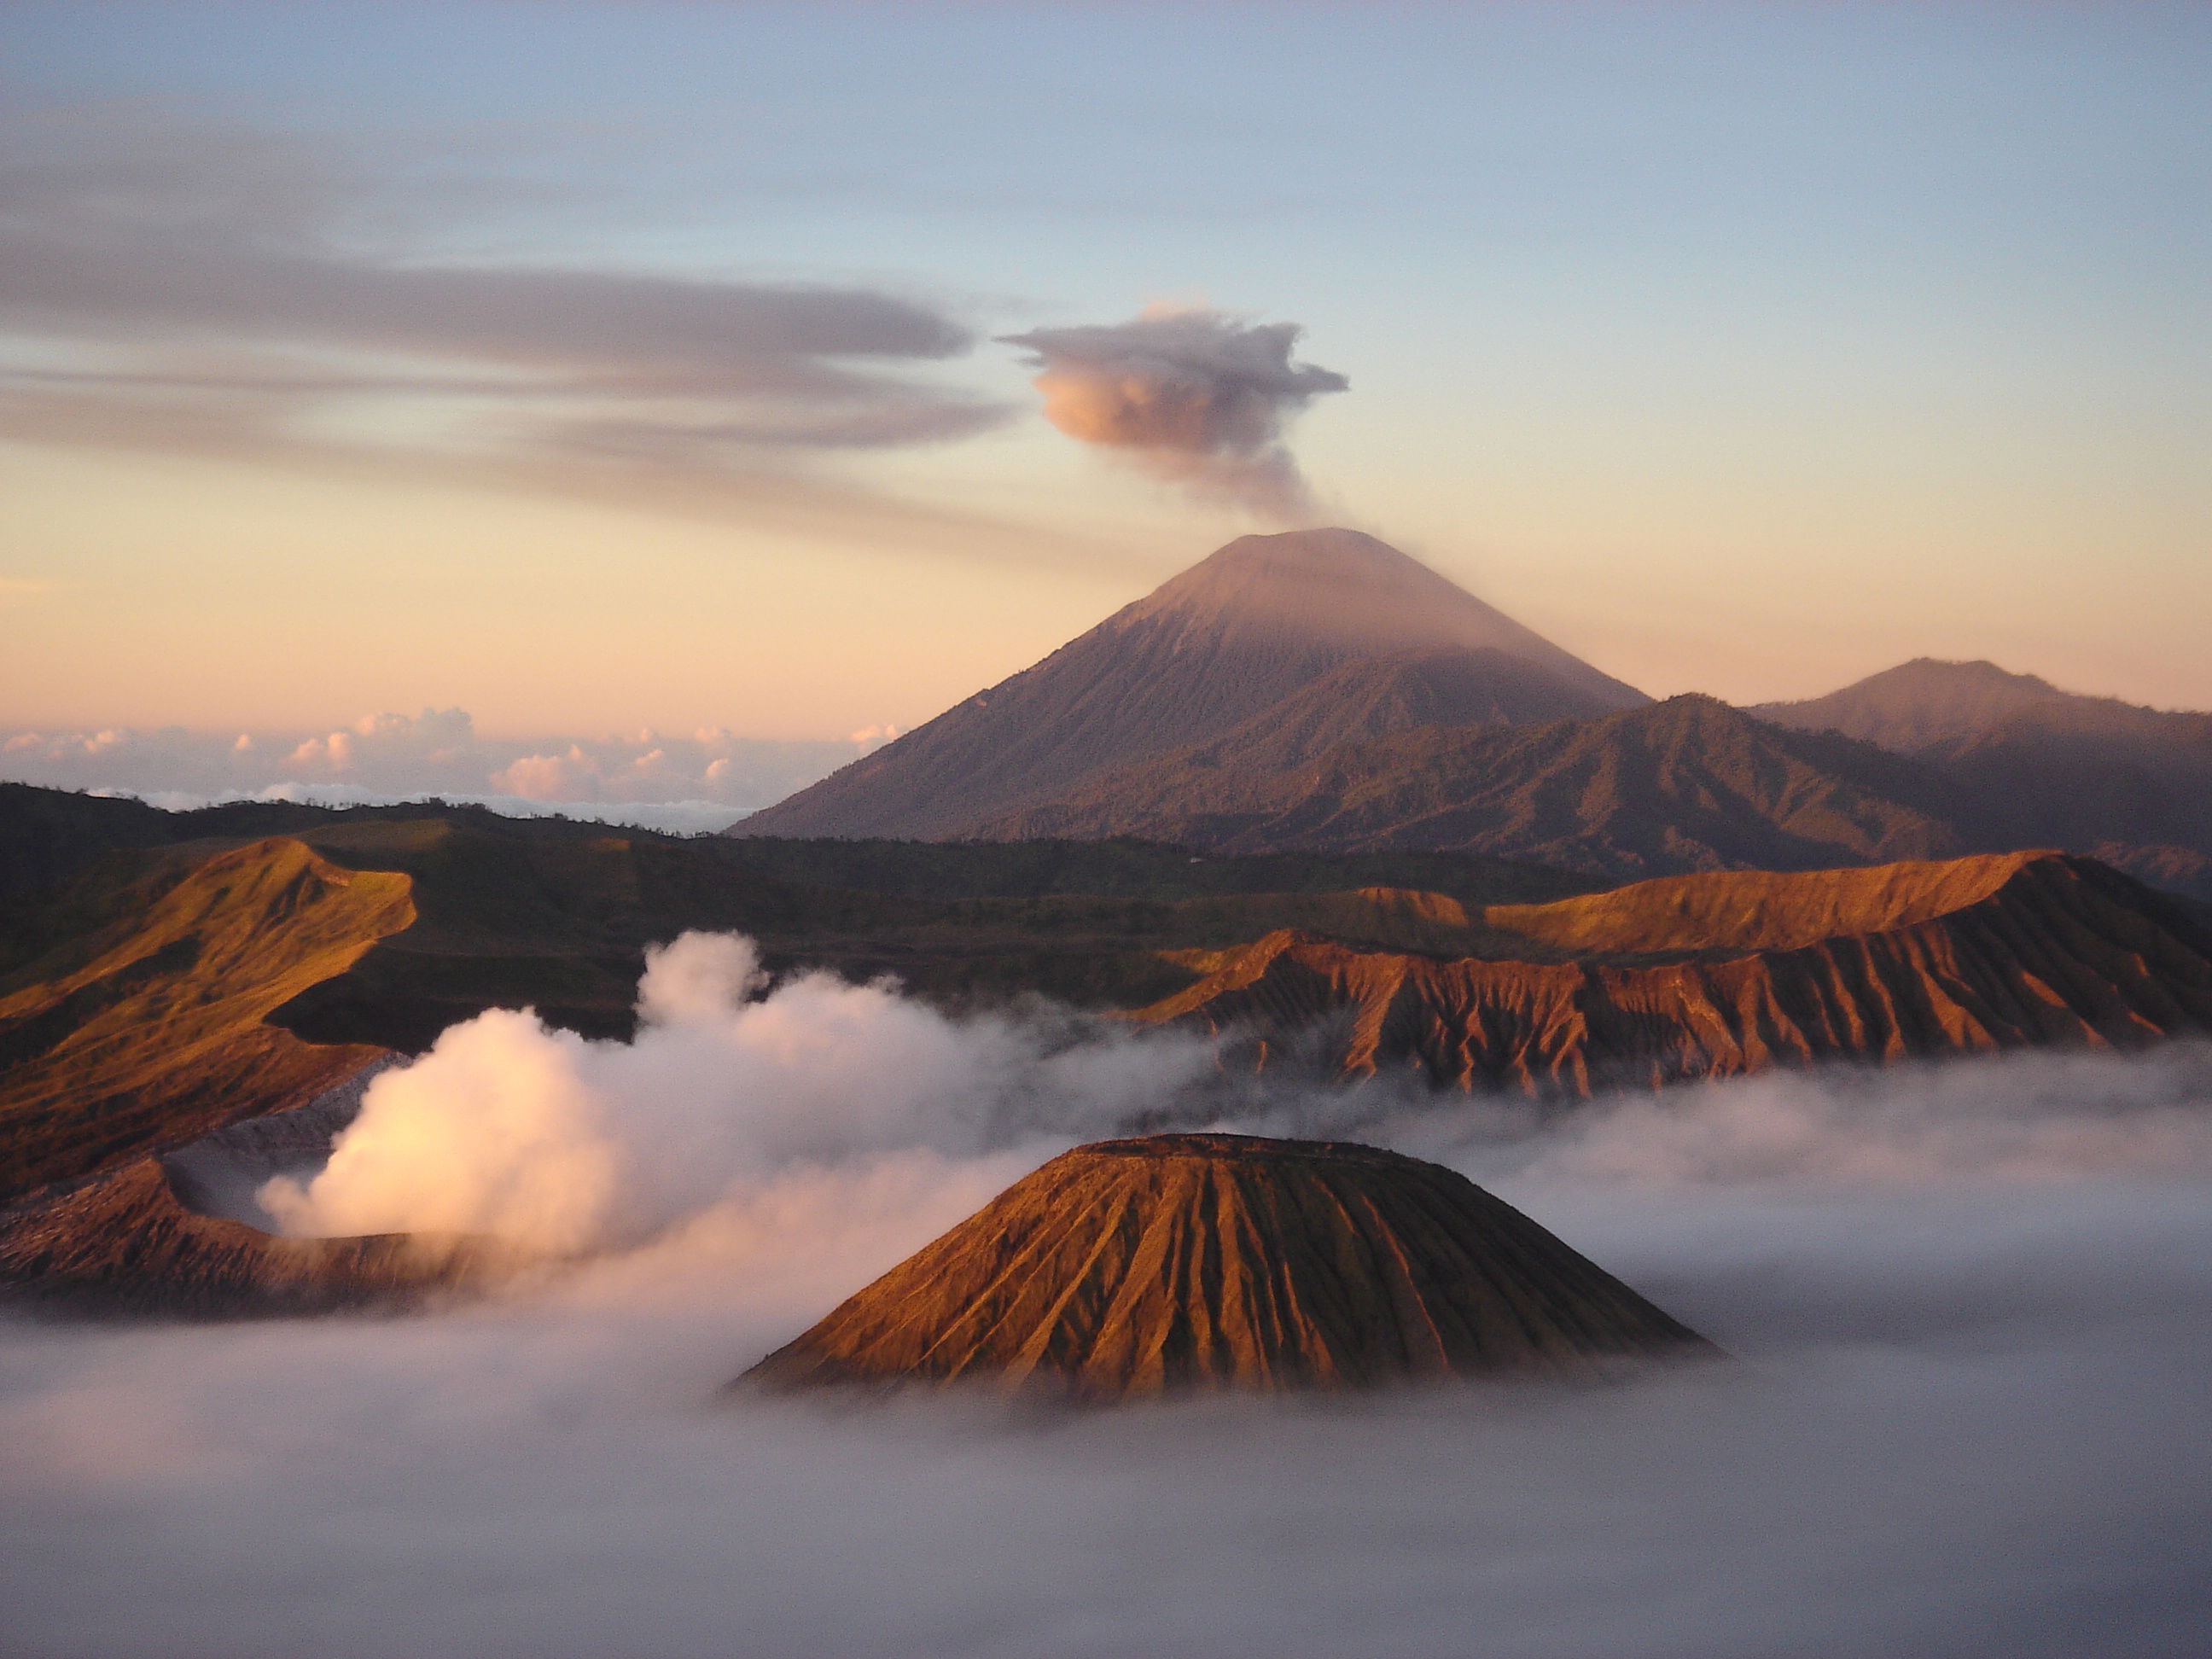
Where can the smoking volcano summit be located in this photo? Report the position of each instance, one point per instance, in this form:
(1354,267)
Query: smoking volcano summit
(1227,640)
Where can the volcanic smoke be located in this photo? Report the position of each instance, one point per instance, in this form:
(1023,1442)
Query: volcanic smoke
(1197,397)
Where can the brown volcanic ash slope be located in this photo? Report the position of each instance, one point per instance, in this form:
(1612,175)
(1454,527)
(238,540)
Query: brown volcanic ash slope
(1715,976)
(1687,784)
(1223,641)
(147,1033)
(1131,1269)
(190,980)
(128,1244)
(153,1029)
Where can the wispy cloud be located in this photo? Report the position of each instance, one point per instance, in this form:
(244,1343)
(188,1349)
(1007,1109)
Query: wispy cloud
(184,288)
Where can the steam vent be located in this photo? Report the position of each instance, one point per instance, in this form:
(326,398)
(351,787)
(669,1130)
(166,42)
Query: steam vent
(1131,1269)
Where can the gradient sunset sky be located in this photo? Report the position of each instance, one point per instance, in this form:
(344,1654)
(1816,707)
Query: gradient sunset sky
(593,367)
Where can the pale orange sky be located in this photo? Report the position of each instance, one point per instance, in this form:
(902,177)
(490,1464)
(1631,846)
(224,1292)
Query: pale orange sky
(222,596)
(1744,349)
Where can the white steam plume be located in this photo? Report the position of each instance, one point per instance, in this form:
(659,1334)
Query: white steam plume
(560,1145)
(1197,397)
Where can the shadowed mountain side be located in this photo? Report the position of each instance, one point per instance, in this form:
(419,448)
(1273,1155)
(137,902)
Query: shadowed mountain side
(1688,784)
(1919,707)
(1374,697)
(2079,773)
(1684,979)
(1174,1264)
(1122,867)
(2176,869)
(1225,640)
(125,1244)
(2036,766)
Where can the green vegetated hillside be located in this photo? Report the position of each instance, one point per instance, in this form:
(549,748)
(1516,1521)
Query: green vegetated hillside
(172,985)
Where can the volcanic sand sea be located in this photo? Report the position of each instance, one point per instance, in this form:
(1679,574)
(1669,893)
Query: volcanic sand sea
(1968,1422)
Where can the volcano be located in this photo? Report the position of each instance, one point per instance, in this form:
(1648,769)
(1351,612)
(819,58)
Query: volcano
(1189,1263)
(1225,642)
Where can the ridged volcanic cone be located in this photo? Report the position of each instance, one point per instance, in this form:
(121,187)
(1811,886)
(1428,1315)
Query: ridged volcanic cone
(1128,1269)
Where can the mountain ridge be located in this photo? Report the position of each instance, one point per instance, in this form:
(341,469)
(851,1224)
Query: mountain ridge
(1712,975)
(1689,783)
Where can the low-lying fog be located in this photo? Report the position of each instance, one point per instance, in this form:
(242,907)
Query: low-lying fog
(1974,1306)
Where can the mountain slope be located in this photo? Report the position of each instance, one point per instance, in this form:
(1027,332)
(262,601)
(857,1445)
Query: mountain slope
(1225,640)
(1687,784)
(1921,706)
(2036,766)
(1132,1269)
(154,1028)
(1715,976)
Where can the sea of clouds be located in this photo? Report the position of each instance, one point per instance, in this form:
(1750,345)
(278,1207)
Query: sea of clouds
(1972,1306)
(681,782)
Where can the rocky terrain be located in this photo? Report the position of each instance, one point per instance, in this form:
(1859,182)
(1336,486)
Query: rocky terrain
(168,996)
(1715,976)
(1175,1264)
(171,997)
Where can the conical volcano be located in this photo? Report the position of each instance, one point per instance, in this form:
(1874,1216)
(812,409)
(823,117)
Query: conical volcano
(1172,1264)
(1227,639)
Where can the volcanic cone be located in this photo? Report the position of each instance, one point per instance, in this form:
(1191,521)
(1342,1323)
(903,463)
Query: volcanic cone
(1130,1270)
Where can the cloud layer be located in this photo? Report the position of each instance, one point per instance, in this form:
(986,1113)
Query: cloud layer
(1198,396)
(189,288)
(711,775)
(1968,1420)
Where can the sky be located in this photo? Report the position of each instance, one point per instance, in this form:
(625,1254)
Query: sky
(601,368)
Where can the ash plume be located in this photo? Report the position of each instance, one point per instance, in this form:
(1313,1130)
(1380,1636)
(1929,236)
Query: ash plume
(1197,397)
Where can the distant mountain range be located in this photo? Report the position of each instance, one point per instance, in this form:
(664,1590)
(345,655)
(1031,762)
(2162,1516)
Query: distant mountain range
(2038,767)
(1319,691)
(1687,784)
